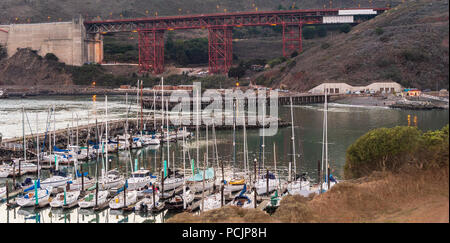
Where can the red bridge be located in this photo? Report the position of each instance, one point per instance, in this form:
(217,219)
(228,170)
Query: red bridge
(151,31)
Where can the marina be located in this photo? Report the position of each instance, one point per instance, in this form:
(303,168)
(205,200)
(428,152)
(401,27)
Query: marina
(235,154)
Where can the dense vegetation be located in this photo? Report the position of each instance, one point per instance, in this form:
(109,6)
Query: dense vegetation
(3,53)
(391,149)
(89,73)
(185,52)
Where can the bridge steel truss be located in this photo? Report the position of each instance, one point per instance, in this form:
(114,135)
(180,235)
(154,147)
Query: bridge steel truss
(151,32)
(151,50)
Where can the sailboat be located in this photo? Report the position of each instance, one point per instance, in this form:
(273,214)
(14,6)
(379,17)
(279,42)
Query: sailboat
(300,185)
(235,183)
(140,178)
(82,183)
(179,201)
(195,182)
(66,198)
(35,196)
(122,201)
(149,203)
(41,194)
(89,201)
(211,202)
(261,184)
(171,180)
(244,199)
(325,168)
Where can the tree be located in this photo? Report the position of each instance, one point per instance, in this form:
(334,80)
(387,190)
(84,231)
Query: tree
(51,57)
(236,72)
(3,53)
(309,32)
(345,28)
(321,31)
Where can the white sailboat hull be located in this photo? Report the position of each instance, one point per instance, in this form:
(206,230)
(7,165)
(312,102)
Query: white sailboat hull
(89,200)
(118,201)
(30,200)
(71,198)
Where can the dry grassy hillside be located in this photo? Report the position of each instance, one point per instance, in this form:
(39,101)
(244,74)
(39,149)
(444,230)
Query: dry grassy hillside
(410,196)
(408,44)
(40,10)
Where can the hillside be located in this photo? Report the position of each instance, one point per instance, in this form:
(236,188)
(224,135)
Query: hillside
(40,10)
(408,44)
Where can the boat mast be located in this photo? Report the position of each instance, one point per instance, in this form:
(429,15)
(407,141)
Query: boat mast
(49,127)
(263,131)
(245,142)
(37,145)
(207,145)
(137,105)
(215,143)
(106,128)
(154,110)
(168,137)
(293,140)
(234,136)
(142,105)
(23,134)
(326,137)
(162,104)
(54,125)
(197,127)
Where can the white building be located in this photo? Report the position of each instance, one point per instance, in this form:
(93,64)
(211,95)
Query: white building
(343,88)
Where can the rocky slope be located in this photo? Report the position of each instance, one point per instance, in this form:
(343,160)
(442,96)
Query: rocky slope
(408,44)
(26,69)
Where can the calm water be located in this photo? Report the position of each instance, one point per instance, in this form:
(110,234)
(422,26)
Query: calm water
(345,125)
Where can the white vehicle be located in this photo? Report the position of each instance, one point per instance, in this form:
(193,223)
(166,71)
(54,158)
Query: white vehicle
(118,201)
(71,198)
(29,199)
(140,179)
(89,200)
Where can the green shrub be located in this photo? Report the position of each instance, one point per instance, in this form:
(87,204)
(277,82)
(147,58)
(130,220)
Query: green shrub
(345,28)
(3,52)
(309,32)
(237,72)
(321,31)
(272,63)
(379,31)
(325,46)
(390,149)
(51,57)
(414,55)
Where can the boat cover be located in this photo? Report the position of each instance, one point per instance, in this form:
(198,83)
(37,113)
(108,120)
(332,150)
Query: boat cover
(209,174)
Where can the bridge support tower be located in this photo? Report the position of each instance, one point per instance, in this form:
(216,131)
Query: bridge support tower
(220,49)
(292,38)
(151,50)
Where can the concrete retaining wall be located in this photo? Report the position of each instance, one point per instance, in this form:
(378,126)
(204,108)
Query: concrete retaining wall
(67,40)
